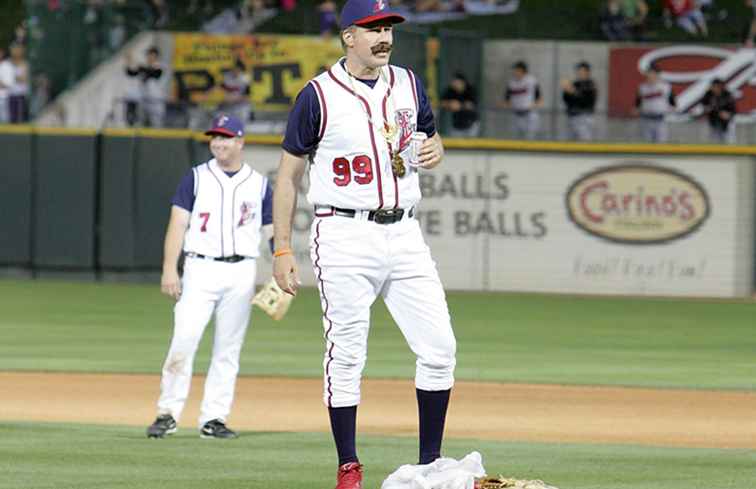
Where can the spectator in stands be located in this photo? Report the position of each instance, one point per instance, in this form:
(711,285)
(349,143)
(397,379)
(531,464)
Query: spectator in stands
(580,97)
(635,13)
(613,23)
(16,77)
(117,33)
(236,90)
(147,106)
(460,99)
(6,80)
(288,5)
(752,27)
(523,97)
(653,101)
(159,13)
(719,107)
(427,5)
(327,18)
(40,95)
(687,15)
(254,13)
(20,34)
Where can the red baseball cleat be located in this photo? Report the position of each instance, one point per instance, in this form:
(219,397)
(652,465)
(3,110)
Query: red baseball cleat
(349,476)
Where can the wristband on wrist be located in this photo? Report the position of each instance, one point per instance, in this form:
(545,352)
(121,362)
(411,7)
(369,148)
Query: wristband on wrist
(282,251)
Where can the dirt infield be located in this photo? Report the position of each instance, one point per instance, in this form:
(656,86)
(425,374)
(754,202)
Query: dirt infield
(543,413)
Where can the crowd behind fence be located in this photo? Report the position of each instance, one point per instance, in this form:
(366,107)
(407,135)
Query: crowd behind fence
(491,99)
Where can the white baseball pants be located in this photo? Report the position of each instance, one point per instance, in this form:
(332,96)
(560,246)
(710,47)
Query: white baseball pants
(208,286)
(717,135)
(527,124)
(580,127)
(356,260)
(654,130)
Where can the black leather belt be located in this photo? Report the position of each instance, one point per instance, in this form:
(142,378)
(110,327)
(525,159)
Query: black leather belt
(226,259)
(382,216)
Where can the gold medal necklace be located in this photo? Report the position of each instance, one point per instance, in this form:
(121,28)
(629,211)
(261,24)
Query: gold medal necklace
(387,130)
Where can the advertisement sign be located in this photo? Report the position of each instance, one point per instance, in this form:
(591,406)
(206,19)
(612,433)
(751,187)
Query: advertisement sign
(637,203)
(575,223)
(278,66)
(689,68)
(590,223)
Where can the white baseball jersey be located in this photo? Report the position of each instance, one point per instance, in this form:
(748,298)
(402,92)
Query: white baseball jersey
(343,173)
(522,93)
(227,213)
(654,98)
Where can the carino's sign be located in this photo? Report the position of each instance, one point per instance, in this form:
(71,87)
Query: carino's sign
(637,203)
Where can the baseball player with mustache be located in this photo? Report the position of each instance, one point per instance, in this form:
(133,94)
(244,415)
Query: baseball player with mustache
(358,125)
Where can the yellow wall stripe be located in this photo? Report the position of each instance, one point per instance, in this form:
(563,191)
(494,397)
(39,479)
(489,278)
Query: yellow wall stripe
(569,147)
(450,143)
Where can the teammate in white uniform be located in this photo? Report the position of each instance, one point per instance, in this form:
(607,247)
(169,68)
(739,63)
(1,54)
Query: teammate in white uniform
(219,211)
(523,96)
(653,102)
(354,123)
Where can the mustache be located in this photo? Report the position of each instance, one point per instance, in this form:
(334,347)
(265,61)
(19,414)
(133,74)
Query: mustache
(382,47)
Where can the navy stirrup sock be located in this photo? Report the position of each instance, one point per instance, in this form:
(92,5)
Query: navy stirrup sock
(431,407)
(343,427)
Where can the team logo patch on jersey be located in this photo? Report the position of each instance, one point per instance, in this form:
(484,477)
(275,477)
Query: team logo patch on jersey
(247,211)
(403,119)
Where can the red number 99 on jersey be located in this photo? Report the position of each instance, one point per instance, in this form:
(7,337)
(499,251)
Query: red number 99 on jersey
(360,170)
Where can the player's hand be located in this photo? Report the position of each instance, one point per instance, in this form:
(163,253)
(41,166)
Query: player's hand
(430,154)
(286,274)
(170,284)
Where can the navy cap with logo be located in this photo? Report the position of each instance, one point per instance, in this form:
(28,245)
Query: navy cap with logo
(361,12)
(226,125)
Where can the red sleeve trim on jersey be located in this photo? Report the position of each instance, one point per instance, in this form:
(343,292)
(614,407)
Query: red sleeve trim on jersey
(323,109)
(376,160)
(414,90)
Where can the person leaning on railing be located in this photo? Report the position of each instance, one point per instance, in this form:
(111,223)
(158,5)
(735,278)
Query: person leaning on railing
(148,105)
(719,107)
(579,96)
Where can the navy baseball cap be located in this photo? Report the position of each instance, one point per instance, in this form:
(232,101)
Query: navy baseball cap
(226,125)
(361,12)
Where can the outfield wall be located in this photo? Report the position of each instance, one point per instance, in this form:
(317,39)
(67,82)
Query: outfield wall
(573,220)
(498,215)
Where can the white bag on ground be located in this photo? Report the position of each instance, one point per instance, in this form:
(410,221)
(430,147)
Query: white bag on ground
(444,473)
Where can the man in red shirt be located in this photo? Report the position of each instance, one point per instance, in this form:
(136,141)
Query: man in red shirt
(687,15)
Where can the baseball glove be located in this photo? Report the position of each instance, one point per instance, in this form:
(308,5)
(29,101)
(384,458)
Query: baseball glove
(502,482)
(271,299)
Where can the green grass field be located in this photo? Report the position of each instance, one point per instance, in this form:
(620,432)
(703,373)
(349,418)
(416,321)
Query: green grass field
(103,457)
(86,327)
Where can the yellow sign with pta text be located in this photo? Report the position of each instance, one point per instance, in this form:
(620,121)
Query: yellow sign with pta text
(277,67)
